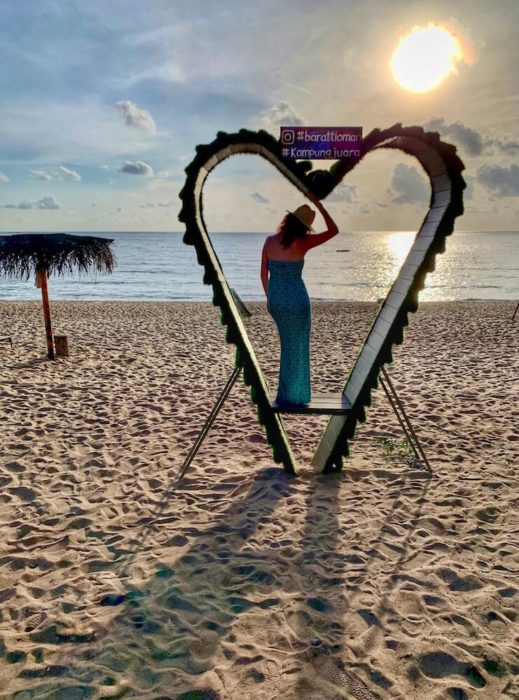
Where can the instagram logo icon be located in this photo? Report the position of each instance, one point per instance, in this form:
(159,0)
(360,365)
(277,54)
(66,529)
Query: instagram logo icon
(288,136)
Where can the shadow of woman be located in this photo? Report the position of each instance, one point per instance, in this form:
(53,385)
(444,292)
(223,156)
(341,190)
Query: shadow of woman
(166,633)
(337,629)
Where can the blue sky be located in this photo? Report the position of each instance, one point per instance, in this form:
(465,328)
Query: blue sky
(103,104)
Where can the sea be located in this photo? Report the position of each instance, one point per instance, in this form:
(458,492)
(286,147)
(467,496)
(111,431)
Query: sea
(354,266)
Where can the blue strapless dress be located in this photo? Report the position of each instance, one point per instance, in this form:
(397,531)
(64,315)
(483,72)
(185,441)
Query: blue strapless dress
(289,306)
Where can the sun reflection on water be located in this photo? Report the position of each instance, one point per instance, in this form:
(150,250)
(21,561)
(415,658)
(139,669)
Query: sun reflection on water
(399,243)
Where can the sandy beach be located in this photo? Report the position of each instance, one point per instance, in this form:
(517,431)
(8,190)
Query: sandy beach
(383,581)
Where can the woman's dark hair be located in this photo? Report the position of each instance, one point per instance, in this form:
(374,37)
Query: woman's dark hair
(291,228)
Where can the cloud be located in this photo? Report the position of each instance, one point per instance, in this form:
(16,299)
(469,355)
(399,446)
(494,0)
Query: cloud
(67,174)
(164,183)
(257,197)
(4,178)
(89,132)
(467,138)
(343,193)
(408,185)
(136,167)
(503,182)
(507,146)
(47,203)
(168,175)
(280,114)
(41,175)
(167,205)
(43,203)
(471,140)
(135,117)
(468,192)
(62,173)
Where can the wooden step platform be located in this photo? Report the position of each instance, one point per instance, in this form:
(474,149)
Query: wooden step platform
(321,404)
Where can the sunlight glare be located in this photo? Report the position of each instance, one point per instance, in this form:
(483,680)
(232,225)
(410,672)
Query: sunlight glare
(425,57)
(399,243)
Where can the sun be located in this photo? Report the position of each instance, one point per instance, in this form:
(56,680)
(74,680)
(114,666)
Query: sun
(425,57)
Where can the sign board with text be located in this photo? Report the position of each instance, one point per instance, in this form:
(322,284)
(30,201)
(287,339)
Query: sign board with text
(320,142)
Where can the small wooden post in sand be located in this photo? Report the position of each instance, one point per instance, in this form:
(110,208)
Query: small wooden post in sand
(61,345)
(41,282)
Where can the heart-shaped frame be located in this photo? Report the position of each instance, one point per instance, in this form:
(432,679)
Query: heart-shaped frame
(443,168)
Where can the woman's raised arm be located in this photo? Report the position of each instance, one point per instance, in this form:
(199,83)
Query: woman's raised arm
(315,239)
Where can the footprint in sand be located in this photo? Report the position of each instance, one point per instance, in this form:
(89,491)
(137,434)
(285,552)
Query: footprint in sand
(15,467)
(328,670)
(24,493)
(439,664)
(488,515)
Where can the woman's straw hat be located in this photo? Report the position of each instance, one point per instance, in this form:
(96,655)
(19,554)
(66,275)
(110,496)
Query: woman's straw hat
(305,214)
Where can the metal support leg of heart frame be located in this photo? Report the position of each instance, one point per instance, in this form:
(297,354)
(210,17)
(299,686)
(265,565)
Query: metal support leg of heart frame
(244,313)
(208,423)
(403,418)
(385,382)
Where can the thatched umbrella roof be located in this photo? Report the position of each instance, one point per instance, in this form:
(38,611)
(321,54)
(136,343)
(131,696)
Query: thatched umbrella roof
(25,254)
(45,254)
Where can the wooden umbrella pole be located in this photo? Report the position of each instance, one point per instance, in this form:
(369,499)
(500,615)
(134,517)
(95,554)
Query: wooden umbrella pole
(42,282)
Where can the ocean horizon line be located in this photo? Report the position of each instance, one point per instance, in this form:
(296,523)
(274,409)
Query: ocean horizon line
(357,230)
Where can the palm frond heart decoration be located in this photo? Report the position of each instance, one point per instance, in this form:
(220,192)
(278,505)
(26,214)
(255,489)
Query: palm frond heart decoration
(443,168)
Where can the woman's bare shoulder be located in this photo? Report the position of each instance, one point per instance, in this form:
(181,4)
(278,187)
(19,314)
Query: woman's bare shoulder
(271,242)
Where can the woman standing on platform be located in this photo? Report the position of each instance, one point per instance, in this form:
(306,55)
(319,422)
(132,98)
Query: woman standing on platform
(282,264)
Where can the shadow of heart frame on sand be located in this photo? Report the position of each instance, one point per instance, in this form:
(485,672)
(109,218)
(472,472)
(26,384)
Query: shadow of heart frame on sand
(443,168)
